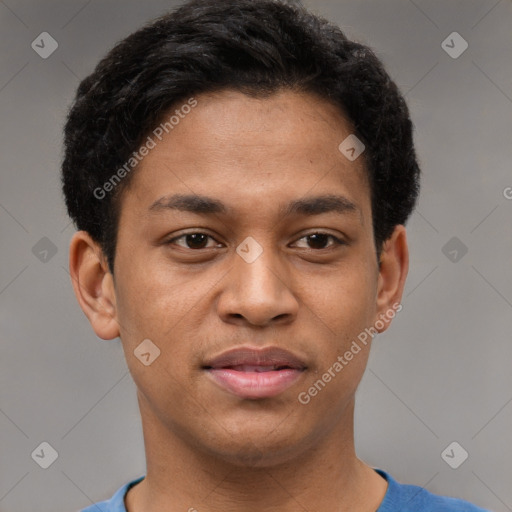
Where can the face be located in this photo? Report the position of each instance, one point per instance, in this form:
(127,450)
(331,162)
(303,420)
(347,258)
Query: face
(277,255)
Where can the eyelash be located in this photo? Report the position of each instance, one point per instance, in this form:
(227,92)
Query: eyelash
(337,241)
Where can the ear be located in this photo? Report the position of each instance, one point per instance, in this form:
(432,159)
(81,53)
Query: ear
(93,285)
(393,269)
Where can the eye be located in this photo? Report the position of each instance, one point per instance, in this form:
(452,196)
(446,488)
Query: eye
(194,241)
(318,241)
(198,240)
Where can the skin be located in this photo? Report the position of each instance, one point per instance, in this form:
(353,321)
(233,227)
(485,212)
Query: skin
(207,449)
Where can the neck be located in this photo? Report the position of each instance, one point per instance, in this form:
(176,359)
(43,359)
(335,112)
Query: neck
(325,475)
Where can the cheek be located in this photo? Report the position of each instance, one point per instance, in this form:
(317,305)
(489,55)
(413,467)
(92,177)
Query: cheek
(151,302)
(345,300)
(160,307)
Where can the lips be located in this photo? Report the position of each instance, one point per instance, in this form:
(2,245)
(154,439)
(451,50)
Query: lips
(271,357)
(255,373)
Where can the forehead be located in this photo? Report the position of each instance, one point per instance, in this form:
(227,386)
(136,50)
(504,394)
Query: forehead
(246,149)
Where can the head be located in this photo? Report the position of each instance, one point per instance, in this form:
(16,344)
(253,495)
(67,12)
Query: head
(214,133)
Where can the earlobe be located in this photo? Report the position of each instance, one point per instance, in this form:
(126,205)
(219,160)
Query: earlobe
(394,266)
(93,285)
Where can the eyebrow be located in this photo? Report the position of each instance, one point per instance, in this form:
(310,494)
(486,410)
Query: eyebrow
(308,206)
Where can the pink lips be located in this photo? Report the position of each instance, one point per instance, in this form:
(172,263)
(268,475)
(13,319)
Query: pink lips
(255,373)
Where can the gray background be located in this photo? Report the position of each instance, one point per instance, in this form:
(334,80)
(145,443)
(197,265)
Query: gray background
(440,374)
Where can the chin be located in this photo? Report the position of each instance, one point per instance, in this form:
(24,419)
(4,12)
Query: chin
(255,448)
(257,457)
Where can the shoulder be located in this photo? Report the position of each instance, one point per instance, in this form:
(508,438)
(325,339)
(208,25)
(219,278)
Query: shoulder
(412,498)
(116,503)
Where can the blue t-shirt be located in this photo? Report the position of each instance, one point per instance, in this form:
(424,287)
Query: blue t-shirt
(398,498)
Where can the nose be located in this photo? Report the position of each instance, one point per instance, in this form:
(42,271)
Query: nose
(258,293)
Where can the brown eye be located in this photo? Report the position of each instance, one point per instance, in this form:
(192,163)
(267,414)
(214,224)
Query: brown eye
(193,241)
(320,241)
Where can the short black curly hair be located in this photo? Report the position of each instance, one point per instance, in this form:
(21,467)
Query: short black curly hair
(257,47)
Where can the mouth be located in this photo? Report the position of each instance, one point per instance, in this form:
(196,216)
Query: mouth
(255,373)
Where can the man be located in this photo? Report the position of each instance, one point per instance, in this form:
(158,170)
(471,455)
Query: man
(240,174)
